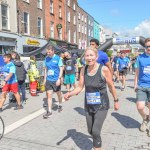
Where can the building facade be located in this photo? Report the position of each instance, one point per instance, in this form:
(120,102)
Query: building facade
(82,28)
(55,21)
(31,25)
(90,29)
(71,23)
(96,30)
(8,26)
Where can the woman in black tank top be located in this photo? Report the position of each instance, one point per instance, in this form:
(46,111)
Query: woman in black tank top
(95,78)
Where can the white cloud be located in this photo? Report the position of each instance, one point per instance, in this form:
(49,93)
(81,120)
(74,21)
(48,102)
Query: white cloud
(143,29)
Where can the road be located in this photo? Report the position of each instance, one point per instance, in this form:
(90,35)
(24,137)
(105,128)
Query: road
(67,130)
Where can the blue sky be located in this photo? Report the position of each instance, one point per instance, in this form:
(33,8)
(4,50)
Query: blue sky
(123,16)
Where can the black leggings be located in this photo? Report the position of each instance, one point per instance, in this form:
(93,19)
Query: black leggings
(94,123)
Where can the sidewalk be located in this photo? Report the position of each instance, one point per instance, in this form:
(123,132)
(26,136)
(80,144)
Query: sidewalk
(67,130)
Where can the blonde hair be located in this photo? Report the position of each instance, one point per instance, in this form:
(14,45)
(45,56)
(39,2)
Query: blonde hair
(92,49)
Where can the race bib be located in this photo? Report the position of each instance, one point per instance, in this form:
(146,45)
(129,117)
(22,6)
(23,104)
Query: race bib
(68,68)
(50,72)
(147,70)
(93,98)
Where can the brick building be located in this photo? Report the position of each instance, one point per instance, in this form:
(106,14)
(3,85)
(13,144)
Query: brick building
(31,24)
(82,28)
(55,21)
(71,23)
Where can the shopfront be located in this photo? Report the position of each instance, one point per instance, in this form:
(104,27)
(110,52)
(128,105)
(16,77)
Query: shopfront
(7,45)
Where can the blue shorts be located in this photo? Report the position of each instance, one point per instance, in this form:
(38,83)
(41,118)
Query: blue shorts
(143,94)
(69,79)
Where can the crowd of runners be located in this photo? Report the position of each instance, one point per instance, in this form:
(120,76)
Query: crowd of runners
(94,72)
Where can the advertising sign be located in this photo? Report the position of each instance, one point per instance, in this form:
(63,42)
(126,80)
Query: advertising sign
(132,40)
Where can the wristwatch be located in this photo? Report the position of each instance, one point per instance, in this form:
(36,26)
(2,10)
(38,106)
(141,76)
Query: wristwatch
(116,100)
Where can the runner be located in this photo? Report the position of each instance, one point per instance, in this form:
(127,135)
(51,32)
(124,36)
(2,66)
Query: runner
(10,82)
(142,85)
(95,78)
(71,71)
(52,79)
(102,56)
(122,65)
(115,70)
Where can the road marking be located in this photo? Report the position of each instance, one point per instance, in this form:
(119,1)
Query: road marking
(24,120)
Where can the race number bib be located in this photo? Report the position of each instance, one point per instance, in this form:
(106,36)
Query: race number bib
(93,98)
(50,72)
(147,70)
(68,68)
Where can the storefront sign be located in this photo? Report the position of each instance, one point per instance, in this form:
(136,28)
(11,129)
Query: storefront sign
(33,42)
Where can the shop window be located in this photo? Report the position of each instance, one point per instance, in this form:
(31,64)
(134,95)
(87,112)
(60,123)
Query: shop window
(27,49)
(4,12)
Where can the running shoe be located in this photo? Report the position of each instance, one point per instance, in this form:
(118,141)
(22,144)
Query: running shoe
(47,115)
(144,125)
(18,107)
(60,108)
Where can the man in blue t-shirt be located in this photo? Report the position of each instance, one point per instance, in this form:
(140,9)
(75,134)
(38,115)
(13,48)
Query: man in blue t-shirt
(102,56)
(142,86)
(123,64)
(10,83)
(52,79)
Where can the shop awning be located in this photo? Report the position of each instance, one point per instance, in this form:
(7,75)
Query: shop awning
(42,50)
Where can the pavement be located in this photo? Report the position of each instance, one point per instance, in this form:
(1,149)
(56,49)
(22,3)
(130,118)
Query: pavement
(27,130)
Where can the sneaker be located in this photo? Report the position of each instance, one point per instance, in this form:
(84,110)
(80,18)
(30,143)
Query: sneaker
(60,108)
(45,105)
(144,126)
(47,115)
(18,107)
(1,110)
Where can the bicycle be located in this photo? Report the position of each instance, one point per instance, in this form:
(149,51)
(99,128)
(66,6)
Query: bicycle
(2,127)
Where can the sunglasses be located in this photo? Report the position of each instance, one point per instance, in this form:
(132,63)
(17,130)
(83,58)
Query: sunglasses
(147,47)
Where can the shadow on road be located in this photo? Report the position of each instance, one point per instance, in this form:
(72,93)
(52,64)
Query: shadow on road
(130,87)
(45,105)
(80,110)
(81,140)
(131,99)
(126,121)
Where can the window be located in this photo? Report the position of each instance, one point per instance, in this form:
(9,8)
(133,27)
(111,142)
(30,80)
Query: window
(68,16)
(79,16)
(39,4)
(85,30)
(82,29)
(69,36)
(4,9)
(85,19)
(92,24)
(89,32)
(89,22)
(74,20)
(26,23)
(79,28)
(82,18)
(52,29)
(60,12)
(40,27)
(26,1)
(68,2)
(74,37)
(51,7)
(92,33)
(74,6)
(60,34)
